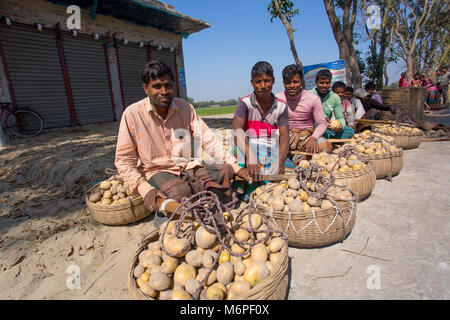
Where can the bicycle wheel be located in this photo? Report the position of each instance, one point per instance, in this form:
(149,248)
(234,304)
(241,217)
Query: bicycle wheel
(25,123)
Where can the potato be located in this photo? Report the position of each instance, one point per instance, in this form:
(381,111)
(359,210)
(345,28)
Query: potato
(239,266)
(179,294)
(147,290)
(169,265)
(138,270)
(151,261)
(275,258)
(204,239)
(293,183)
(107,194)
(176,246)
(276,244)
(314,202)
(256,272)
(295,206)
(224,257)
(242,235)
(259,253)
(225,273)
(277,204)
(209,257)
(215,293)
(159,281)
(105,185)
(202,275)
(106,202)
(194,258)
(95,197)
(192,285)
(183,273)
(326,204)
(240,287)
(113,190)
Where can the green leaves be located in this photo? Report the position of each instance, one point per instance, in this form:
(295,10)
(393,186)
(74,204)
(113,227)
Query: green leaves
(285,8)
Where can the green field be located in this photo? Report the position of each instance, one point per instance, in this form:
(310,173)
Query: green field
(215,111)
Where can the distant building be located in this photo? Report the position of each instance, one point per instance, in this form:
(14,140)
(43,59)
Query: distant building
(92,74)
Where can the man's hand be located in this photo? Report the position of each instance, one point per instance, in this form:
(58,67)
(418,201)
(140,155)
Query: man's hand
(311,145)
(150,199)
(244,174)
(393,109)
(255,171)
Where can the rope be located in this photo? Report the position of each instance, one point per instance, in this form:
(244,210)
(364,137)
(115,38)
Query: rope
(206,209)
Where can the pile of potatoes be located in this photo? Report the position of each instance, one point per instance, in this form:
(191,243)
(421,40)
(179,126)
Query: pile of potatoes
(367,134)
(288,196)
(395,130)
(367,148)
(177,276)
(111,192)
(333,163)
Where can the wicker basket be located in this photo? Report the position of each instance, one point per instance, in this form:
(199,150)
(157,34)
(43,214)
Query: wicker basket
(361,181)
(274,287)
(411,99)
(315,229)
(405,141)
(119,214)
(384,165)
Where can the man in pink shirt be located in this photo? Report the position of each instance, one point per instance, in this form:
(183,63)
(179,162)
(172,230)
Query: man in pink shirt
(307,121)
(153,146)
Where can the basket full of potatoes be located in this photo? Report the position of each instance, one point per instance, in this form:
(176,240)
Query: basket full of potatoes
(349,168)
(405,137)
(240,255)
(111,202)
(313,212)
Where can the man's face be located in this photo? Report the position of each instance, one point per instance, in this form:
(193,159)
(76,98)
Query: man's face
(160,91)
(348,95)
(262,84)
(293,86)
(370,90)
(323,85)
(340,92)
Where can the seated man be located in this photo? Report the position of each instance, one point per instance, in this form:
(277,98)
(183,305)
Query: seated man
(332,107)
(347,109)
(264,146)
(307,122)
(370,88)
(151,155)
(371,106)
(356,103)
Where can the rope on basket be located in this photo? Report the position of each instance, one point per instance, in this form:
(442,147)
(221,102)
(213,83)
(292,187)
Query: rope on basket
(312,172)
(206,209)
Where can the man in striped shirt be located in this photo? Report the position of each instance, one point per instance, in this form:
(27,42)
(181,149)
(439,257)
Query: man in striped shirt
(153,153)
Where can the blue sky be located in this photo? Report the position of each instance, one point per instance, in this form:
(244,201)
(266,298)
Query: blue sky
(218,60)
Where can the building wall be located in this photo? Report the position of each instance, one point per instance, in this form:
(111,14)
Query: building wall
(46,13)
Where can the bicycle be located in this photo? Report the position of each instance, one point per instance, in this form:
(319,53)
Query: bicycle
(22,122)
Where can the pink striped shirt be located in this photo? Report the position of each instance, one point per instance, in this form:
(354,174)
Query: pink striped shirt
(147,144)
(305,110)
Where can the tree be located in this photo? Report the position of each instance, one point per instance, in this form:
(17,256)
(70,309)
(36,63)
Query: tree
(411,17)
(343,33)
(380,37)
(284,10)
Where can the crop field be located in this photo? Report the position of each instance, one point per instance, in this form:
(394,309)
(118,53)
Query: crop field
(215,111)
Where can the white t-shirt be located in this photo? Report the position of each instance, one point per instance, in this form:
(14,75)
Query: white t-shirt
(358,107)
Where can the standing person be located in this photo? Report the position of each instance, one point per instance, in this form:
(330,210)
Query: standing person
(370,88)
(416,82)
(347,109)
(150,154)
(371,106)
(443,84)
(307,122)
(431,91)
(403,82)
(261,126)
(357,106)
(332,107)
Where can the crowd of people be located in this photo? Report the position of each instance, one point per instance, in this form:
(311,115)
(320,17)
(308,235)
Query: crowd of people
(153,153)
(436,91)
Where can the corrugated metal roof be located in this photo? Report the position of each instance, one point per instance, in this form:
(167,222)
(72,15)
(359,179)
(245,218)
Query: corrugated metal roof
(142,12)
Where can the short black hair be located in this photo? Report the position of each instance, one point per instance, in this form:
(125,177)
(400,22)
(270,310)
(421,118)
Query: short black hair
(370,86)
(291,70)
(324,74)
(338,84)
(349,89)
(260,68)
(155,69)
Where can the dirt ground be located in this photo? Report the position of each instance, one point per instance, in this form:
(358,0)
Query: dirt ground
(400,238)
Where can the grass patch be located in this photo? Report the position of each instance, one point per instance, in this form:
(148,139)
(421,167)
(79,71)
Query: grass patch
(215,111)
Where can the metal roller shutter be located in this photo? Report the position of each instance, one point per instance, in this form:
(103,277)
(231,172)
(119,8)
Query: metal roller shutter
(166,56)
(132,60)
(89,79)
(35,71)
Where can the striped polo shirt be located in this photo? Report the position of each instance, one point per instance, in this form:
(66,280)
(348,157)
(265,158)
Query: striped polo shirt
(258,126)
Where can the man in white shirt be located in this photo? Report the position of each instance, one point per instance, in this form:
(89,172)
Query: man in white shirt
(358,109)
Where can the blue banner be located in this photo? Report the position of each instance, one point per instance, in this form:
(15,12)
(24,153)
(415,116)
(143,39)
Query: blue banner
(337,68)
